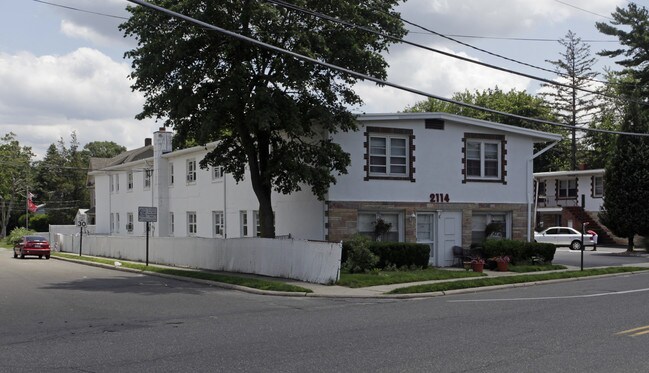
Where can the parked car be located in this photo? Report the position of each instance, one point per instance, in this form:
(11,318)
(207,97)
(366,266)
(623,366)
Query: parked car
(566,236)
(32,245)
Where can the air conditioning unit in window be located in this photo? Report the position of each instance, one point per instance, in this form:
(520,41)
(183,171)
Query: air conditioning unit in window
(129,227)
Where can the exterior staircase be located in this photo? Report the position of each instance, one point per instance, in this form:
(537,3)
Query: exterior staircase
(604,237)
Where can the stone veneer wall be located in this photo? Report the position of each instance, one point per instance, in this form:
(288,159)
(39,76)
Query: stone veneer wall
(343,216)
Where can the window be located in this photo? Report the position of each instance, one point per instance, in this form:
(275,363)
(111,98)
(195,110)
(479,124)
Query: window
(483,158)
(243,219)
(112,222)
(117,222)
(217,221)
(255,218)
(171,174)
(129,222)
(490,225)
(112,185)
(147,178)
(567,188)
(171,223)
(598,186)
(217,173)
(191,223)
(389,153)
(116,183)
(367,223)
(129,180)
(191,171)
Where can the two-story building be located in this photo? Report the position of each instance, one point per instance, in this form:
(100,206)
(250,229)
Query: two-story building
(570,199)
(436,178)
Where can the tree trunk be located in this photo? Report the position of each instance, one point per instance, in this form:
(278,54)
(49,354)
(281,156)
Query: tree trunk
(629,245)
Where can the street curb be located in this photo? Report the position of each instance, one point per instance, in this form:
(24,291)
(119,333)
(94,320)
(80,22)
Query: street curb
(343,296)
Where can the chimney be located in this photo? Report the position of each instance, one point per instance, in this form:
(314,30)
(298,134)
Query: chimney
(147,141)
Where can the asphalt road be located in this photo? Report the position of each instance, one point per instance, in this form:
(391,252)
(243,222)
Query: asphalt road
(604,256)
(65,317)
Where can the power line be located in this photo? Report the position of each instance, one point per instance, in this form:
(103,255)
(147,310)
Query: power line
(514,38)
(79,10)
(364,76)
(583,10)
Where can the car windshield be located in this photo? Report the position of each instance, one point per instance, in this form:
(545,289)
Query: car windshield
(35,239)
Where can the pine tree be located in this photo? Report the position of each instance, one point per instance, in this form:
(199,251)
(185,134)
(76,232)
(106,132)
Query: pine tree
(570,103)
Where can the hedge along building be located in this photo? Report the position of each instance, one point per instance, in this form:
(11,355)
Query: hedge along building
(432,178)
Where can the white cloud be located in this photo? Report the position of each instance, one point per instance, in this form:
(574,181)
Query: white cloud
(76,31)
(43,98)
(432,73)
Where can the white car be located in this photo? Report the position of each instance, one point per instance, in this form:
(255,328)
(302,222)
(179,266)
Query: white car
(566,236)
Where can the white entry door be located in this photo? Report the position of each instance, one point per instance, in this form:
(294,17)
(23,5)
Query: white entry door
(450,235)
(426,233)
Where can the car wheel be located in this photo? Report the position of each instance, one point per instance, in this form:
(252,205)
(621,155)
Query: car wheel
(15,255)
(40,257)
(22,256)
(575,245)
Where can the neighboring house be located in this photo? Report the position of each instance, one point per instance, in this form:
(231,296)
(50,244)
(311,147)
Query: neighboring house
(571,198)
(436,178)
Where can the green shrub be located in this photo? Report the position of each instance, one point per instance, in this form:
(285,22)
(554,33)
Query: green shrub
(358,257)
(401,254)
(520,251)
(16,234)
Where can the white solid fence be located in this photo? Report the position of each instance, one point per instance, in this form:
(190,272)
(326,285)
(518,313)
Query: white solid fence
(317,262)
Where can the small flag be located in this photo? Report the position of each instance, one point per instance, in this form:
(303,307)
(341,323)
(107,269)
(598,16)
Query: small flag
(31,206)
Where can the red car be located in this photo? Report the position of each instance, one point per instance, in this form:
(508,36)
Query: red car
(32,245)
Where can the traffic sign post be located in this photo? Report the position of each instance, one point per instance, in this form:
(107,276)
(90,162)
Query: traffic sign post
(147,215)
(82,225)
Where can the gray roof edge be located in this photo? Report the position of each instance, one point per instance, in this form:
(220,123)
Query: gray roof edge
(546,136)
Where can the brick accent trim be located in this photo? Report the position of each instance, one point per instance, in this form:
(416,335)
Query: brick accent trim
(411,152)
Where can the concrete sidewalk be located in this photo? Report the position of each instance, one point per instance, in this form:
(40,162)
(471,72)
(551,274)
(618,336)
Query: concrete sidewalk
(335,291)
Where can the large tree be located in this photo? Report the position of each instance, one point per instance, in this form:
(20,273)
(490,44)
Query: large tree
(102,149)
(61,181)
(513,102)
(270,113)
(15,178)
(626,206)
(571,102)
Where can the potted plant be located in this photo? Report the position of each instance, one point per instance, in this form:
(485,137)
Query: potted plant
(477,264)
(502,262)
(381,227)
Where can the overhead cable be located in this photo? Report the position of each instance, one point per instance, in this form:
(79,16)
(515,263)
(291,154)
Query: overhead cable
(365,76)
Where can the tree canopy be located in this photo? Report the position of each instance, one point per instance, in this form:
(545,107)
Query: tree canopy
(15,178)
(514,102)
(626,206)
(270,113)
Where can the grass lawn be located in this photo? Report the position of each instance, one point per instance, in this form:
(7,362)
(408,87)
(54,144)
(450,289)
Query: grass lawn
(453,285)
(361,280)
(254,283)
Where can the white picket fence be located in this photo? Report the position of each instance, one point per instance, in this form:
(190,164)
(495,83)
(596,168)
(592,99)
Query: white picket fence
(309,261)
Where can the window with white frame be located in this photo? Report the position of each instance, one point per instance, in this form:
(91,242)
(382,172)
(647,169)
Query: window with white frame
(493,224)
(171,174)
(483,157)
(367,225)
(255,218)
(191,223)
(171,223)
(243,223)
(191,171)
(389,153)
(217,223)
(567,188)
(117,183)
(598,186)
(217,173)
(112,183)
(112,222)
(147,178)
(117,222)
(129,222)
(129,180)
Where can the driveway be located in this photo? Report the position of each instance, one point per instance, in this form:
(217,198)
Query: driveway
(604,256)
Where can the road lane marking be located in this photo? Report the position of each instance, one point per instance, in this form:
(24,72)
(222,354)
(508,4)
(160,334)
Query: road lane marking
(550,298)
(635,331)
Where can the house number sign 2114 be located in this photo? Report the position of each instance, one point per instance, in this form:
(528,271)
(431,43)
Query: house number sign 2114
(439,197)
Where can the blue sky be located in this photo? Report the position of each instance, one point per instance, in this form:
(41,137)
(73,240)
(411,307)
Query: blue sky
(62,70)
